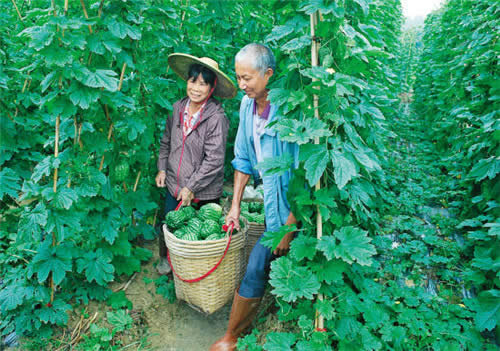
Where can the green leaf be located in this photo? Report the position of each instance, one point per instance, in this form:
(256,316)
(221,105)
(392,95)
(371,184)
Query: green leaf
(489,167)
(32,220)
(121,320)
(278,96)
(40,36)
(51,259)
(55,314)
(364,4)
(373,111)
(301,132)
(316,159)
(96,266)
(303,247)
(279,32)
(110,225)
(353,245)
(11,296)
(272,239)
(121,30)
(343,169)
(278,341)
(101,78)
(325,308)
(291,282)
(330,271)
(126,265)
(488,310)
(56,56)
(312,6)
(275,165)
(43,168)
(63,197)
(9,183)
(296,43)
(82,96)
(48,80)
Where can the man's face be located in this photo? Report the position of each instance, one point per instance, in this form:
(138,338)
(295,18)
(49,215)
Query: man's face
(250,80)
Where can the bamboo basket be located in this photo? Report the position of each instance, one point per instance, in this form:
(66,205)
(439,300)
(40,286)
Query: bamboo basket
(254,232)
(192,259)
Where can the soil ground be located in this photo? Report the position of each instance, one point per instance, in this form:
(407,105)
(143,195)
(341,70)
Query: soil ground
(173,326)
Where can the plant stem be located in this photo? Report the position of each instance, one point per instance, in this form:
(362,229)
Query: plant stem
(17,10)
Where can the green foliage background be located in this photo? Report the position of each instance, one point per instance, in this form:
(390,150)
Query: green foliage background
(56,65)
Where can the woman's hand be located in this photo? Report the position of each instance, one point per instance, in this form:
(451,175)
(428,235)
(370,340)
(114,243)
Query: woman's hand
(233,216)
(161,179)
(185,195)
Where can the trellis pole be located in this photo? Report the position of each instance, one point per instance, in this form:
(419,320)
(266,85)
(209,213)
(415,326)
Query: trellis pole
(17,10)
(319,321)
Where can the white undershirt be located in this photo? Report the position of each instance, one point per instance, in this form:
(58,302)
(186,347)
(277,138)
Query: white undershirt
(259,126)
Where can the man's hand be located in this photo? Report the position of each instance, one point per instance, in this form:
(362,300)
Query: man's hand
(160,179)
(284,245)
(233,216)
(185,196)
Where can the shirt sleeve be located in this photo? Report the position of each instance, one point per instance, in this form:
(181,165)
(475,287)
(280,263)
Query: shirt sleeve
(241,161)
(165,146)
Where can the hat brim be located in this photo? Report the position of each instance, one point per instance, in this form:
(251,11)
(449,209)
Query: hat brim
(180,64)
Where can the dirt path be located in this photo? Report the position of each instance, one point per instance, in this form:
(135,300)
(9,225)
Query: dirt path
(173,326)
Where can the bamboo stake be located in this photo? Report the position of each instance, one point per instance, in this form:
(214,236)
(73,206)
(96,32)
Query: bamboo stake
(137,181)
(56,155)
(75,125)
(319,320)
(17,10)
(110,132)
(25,85)
(100,9)
(86,14)
(106,111)
(79,134)
(56,150)
(121,77)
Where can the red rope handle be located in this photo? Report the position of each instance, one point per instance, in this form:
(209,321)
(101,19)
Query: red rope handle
(225,227)
(180,204)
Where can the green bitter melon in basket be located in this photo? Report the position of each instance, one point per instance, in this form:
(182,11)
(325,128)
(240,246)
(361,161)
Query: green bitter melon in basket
(210,211)
(174,220)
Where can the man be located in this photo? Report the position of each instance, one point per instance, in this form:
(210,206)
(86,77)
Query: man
(254,65)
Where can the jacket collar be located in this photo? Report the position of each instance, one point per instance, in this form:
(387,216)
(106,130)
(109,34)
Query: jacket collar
(211,108)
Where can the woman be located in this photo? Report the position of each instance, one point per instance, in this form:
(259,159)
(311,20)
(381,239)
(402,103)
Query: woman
(192,150)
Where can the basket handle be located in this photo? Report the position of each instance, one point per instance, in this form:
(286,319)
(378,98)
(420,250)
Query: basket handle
(225,228)
(180,204)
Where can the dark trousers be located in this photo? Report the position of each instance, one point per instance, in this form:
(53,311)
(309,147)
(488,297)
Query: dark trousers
(170,205)
(257,273)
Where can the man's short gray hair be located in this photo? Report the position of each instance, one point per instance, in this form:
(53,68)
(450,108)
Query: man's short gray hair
(260,56)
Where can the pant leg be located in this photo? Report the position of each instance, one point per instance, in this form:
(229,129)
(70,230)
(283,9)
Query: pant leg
(257,273)
(170,205)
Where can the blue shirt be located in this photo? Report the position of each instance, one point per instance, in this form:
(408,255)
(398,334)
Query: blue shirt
(276,206)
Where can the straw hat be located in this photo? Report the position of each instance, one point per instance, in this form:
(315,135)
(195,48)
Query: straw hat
(180,64)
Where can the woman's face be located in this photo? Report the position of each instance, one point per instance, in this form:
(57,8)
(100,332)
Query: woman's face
(197,89)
